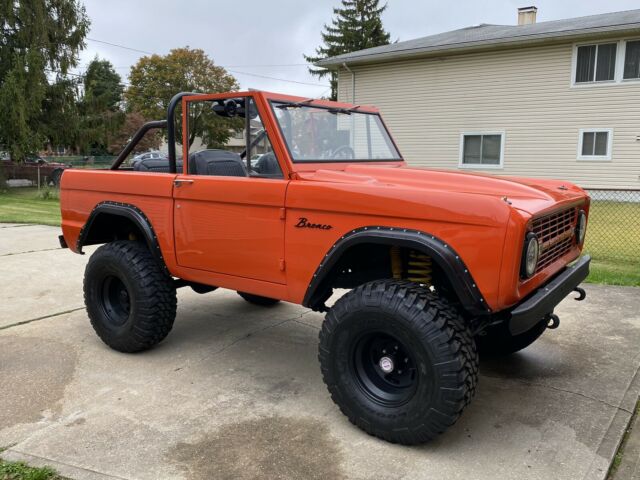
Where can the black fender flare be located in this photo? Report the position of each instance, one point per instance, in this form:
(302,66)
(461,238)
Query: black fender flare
(131,212)
(440,252)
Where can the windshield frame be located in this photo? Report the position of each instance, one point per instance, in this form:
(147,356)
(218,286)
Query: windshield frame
(354,110)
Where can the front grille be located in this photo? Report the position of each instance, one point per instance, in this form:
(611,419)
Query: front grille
(556,234)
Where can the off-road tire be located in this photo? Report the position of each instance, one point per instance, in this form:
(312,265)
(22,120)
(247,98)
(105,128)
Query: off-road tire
(497,341)
(258,300)
(150,295)
(434,335)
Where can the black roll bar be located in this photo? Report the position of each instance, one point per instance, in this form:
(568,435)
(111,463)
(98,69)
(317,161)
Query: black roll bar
(171,128)
(169,124)
(134,141)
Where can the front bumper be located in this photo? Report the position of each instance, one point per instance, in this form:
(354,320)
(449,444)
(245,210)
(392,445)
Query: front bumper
(542,302)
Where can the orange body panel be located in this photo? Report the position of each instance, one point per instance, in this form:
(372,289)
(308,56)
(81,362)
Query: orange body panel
(219,219)
(241,233)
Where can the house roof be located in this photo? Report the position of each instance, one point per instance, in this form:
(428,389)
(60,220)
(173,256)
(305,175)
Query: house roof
(486,36)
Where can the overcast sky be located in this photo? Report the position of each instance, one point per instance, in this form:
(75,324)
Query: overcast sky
(254,39)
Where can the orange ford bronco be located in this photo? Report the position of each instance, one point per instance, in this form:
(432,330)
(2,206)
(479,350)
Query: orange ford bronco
(439,265)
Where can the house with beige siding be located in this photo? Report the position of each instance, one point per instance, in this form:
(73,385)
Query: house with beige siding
(557,99)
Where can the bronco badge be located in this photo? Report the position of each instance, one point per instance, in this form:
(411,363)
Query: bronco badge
(305,223)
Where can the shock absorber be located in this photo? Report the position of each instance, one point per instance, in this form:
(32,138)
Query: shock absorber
(396,263)
(419,268)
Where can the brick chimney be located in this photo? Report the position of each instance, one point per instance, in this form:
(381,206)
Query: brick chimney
(527,15)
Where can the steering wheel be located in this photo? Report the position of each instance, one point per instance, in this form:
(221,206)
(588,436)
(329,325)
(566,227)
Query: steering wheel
(344,152)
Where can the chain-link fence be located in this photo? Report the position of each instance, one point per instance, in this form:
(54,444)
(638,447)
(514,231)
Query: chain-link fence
(84,161)
(613,232)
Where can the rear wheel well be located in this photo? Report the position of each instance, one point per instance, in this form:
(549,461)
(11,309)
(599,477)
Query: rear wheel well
(109,227)
(369,261)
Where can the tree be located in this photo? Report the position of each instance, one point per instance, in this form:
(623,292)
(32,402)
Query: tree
(357,25)
(60,118)
(155,79)
(100,107)
(132,123)
(37,38)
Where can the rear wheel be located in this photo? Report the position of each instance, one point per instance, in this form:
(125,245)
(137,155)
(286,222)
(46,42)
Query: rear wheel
(258,300)
(398,361)
(130,300)
(497,341)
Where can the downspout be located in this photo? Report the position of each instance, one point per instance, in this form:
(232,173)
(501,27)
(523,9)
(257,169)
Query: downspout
(353,82)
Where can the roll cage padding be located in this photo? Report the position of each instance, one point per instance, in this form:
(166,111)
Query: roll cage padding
(440,252)
(130,212)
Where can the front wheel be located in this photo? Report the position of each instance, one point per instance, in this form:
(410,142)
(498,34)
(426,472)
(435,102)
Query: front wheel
(130,300)
(398,361)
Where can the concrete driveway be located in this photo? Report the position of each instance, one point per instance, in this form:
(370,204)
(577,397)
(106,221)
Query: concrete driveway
(235,391)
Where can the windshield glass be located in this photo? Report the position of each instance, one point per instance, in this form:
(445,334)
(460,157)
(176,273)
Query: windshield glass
(317,134)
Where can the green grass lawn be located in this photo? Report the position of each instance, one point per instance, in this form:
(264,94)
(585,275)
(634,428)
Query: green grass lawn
(613,240)
(21,471)
(25,205)
(613,233)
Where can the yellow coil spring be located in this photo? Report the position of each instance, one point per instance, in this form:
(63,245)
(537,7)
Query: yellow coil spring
(419,268)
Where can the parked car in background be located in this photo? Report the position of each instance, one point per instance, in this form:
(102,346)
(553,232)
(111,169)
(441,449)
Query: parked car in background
(33,168)
(153,155)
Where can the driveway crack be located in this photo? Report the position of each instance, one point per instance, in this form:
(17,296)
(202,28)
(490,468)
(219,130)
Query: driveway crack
(564,390)
(24,322)
(30,251)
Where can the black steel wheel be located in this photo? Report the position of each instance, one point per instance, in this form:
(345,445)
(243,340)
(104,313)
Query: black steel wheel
(398,360)
(115,301)
(384,369)
(130,299)
(258,300)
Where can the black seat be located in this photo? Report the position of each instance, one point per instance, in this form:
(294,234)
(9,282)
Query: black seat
(268,165)
(158,165)
(221,163)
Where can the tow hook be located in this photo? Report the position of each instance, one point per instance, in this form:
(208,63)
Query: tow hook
(581,294)
(553,321)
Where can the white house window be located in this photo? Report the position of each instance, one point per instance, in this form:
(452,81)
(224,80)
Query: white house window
(596,63)
(632,60)
(482,150)
(595,144)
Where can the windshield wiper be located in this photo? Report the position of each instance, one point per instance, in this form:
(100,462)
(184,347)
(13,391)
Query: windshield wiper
(344,111)
(302,103)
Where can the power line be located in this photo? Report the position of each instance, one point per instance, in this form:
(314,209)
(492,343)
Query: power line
(223,66)
(267,65)
(280,79)
(79,75)
(120,46)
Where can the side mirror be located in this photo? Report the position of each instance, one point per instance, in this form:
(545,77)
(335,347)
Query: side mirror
(228,108)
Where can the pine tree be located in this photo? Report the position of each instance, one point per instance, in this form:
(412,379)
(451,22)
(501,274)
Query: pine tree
(357,25)
(38,38)
(100,107)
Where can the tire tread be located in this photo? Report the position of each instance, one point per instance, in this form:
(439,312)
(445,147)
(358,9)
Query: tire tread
(438,323)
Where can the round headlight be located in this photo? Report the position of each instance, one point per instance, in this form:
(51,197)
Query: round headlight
(581,227)
(530,255)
